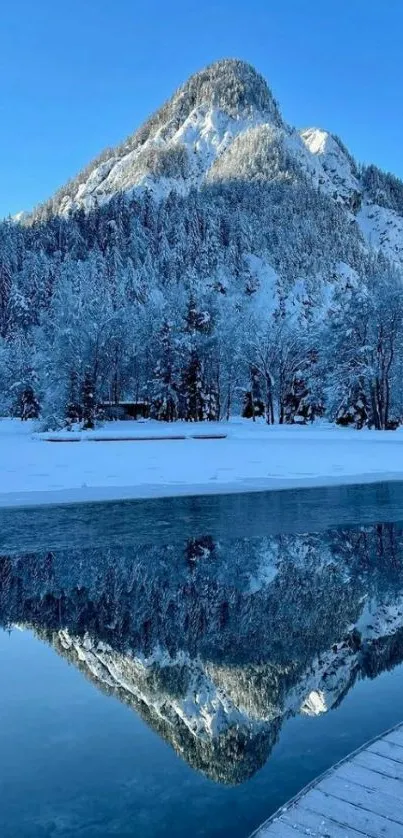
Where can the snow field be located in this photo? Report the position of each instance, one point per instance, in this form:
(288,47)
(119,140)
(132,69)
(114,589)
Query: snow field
(252,457)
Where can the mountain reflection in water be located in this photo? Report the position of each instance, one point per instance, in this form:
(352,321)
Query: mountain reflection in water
(216,642)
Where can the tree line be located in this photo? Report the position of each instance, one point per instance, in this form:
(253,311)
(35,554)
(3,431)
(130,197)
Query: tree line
(241,297)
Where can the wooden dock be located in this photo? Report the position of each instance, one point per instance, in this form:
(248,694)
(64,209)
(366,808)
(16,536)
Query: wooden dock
(360,796)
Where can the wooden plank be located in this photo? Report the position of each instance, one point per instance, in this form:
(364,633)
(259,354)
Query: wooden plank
(386,749)
(396,736)
(372,780)
(281,830)
(349,815)
(317,826)
(371,799)
(361,796)
(385,766)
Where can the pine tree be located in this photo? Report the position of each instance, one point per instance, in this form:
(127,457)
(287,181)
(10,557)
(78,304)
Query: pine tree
(164,398)
(211,403)
(27,405)
(73,406)
(296,406)
(5,289)
(192,389)
(194,394)
(88,402)
(253,404)
(353,409)
(247,409)
(258,403)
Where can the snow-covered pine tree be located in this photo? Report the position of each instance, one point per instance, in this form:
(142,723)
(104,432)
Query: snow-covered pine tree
(195,408)
(27,404)
(88,401)
(297,405)
(164,390)
(74,409)
(194,398)
(353,409)
(22,377)
(253,404)
(247,407)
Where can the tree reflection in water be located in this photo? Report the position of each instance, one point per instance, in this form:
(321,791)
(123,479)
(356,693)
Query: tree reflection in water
(216,642)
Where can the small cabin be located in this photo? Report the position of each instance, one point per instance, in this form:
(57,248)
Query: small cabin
(126,410)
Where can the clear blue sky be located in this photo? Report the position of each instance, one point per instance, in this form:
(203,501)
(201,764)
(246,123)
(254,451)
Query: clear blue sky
(78,75)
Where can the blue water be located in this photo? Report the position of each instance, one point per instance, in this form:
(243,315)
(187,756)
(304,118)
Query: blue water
(78,757)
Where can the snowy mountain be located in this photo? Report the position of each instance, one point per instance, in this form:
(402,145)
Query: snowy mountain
(178,145)
(224,123)
(218,261)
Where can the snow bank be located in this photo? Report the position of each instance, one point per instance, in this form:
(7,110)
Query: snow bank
(252,457)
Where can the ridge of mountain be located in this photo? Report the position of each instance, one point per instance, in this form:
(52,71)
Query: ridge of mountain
(222,124)
(203,116)
(379,218)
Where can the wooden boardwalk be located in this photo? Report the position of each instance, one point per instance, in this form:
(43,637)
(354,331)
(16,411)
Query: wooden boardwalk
(360,796)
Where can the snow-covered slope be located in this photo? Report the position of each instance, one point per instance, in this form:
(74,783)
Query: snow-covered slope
(339,171)
(177,146)
(225,124)
(383,229)
(178,160)
(381,226)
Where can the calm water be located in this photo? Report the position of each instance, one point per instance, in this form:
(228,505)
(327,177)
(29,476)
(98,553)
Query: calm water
(176,668)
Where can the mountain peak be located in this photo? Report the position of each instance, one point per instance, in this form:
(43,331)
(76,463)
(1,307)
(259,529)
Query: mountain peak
(234,86)
(229,85)
(180,141)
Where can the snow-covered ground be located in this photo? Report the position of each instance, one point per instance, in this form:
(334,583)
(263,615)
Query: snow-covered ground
(252,457)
